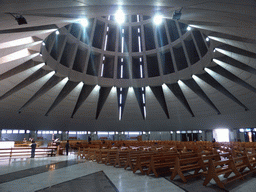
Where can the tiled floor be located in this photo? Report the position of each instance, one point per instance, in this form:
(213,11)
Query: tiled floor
(67,173)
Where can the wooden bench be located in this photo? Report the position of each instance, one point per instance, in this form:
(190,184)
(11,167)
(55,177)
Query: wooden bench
(241,163)
(252,160)
(206,158)
(161,163)
(131,159)
(187,164)
(111,157)
(142,162)
(121,158)
(90,154)
(217,168)
(103,156)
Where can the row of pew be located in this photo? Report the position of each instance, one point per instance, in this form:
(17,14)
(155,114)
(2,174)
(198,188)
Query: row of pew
(209,164)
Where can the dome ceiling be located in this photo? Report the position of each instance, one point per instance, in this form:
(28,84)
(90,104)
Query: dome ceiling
(135,75)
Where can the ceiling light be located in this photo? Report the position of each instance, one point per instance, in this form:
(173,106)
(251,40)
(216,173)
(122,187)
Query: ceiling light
(214,50)
(57,32)
(84,22)
(189,28)
(119,16)
(158,19)
(43,43)
(207,39)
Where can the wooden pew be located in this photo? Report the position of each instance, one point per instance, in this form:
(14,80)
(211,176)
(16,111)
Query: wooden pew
(252,160)
(161,163)
(90,154)
(206,158)
(187,164)
(142,162)
(241,163)
(121,158)
(103,156)
(217,168)
(111,157)
(131,159)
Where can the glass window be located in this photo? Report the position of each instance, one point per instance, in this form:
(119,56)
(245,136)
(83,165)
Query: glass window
(21,131)
(221,135)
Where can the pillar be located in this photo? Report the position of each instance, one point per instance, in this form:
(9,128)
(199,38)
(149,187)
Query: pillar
(209,135)
(174,136)
(33,135)
(116,136)
(202,134)
(241,136)
(64,136)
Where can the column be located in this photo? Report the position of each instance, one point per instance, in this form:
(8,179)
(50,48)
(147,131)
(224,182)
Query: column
(174,136)
(122,136)
(64,136)
(178,136)
(33,135)
(202,134)
(116,136)
(241,136)
(209,135)
(232,135)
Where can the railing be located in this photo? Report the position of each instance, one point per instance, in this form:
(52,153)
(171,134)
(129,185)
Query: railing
(25,152)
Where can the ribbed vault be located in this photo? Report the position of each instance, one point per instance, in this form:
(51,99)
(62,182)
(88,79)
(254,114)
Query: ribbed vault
(137,76)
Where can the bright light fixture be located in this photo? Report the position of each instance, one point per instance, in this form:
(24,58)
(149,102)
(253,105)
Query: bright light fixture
(207,39)
(84,22)
(57,32)
(189,28)
(119,16)
(158,19)
(43,43)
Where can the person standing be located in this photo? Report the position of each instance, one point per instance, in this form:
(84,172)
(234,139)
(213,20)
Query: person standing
(33,149)
(67,147)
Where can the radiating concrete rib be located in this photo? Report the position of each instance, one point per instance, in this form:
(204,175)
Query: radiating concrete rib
(20,68)
(69,86)
(197,90)
(237,64)
(138,93)
(237,51)
(215,84)
(104,92)
(232,37)
(32,78)
(123,100)
(54,80)
(28,29)
(85,92)
(159,94)
(225,73)
(175,88)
